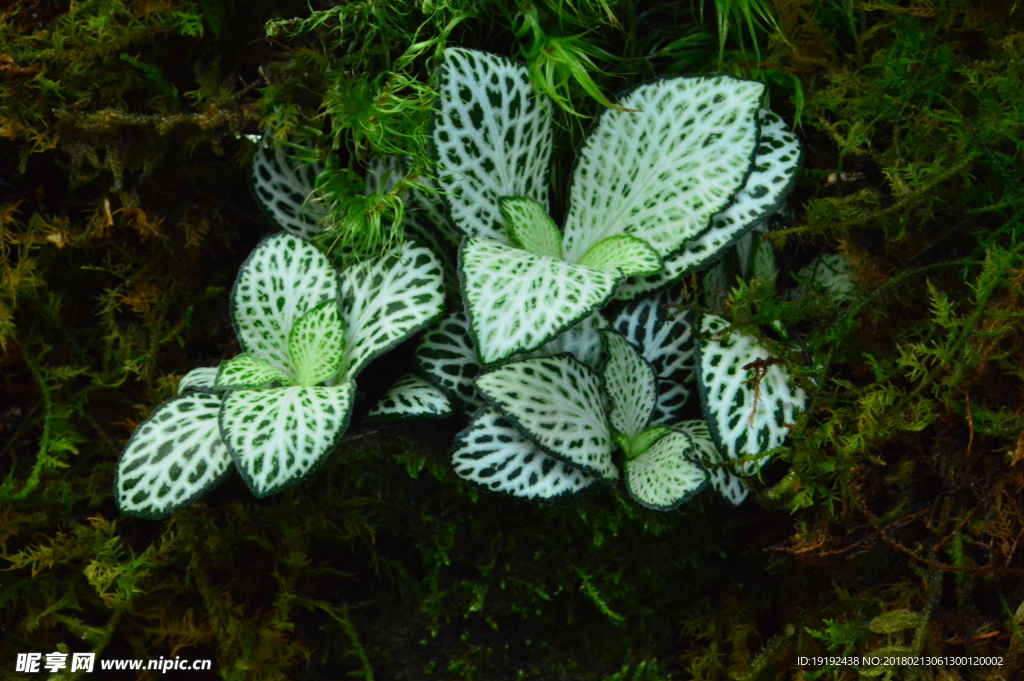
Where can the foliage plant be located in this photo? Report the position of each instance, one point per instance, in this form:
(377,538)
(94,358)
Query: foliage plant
(888,524)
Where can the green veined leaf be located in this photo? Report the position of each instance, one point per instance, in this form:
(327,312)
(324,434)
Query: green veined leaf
(281,280)
(283,188)
(630,383)
(246,371)
(558,404)
(724,482)
(626,253)
(748,398)
(529,227)
(492,453)
(387,300)
(517,301)
(173,458)
(633,447)
(661,174)
(491,137)
(317,343)
(412,397)
(776,168)
(663,477)
(201,379)
(278,436)
(447,356)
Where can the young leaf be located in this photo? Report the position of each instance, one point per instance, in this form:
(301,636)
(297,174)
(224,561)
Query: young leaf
(663,477)
(387,300)
(317,343)
(491,137)
(776,168)
(491,452)
(748,398)
(412,397)
(830,272)
(447,356)
(725,483)
(201,379)
(630,384)
(627,253)
(661,174)
(283,188)
(278,436)
(557,403)
(281,280)
(173,458)
(517,301)
(246,371)
(529,226)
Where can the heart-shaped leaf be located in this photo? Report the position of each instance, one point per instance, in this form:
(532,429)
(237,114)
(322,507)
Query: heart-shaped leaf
(664,477)
(282,279)
(317,343)
(386,300)
(558,404)
(518,301)
(776,168)
(748,397)
(492,453)
(173,458)
(411,397)
(630,384)
(283,188)
(246,371)
(529,227)
(491,137)
(661,173)
(278,436)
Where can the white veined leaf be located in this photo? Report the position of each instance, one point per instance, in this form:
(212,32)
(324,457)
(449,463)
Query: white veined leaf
(830,272)
(447,356)
(633,447)
(278,436)
(281,280)
(747,396)
(776,167)
(247,371)
(626,253)
(529,227)
(725,483)
(663,334)
(492,453)
(491,137)
(283,187)
(661,173)
(664,477)
(200,379)
(317,343)
(387,300)
(517,301)
(411,397)
(173,458)
(558,404)
(630,383)
(583,341)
